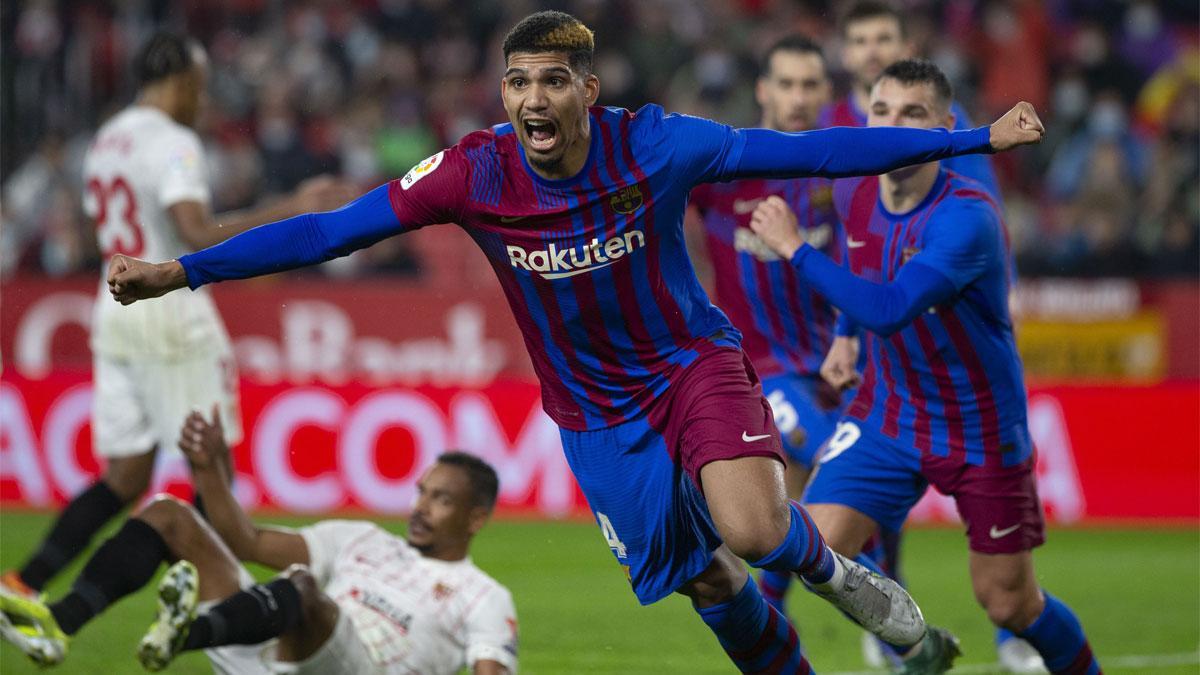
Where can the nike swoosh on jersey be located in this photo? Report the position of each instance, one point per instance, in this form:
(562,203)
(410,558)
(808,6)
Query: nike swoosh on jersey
(855,244)
(997,534)
(511,219)
(750,439)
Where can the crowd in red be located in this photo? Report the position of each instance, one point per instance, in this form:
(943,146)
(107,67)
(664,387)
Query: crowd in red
(366,89)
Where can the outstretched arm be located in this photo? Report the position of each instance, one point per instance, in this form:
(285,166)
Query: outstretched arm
(881,308)
(847,151)
(286,244)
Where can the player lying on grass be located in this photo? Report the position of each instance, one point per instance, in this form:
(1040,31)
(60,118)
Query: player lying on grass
(579,210)
(942,400)
(352,598)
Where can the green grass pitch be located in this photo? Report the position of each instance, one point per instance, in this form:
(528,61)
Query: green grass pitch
(1137,592)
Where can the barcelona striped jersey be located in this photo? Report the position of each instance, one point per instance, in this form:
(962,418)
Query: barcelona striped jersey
(950,382)
(786,326)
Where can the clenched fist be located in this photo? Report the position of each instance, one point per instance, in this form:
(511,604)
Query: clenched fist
(1019,126)
(840,368)
(130,279)
(774,223)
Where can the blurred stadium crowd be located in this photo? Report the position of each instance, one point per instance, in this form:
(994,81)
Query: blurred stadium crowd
(367,88)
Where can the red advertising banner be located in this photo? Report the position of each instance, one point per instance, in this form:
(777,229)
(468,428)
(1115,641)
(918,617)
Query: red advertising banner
(1104,452)
(299,329)
(457,330)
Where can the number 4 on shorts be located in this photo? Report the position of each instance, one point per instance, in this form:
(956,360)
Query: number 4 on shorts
(610,535)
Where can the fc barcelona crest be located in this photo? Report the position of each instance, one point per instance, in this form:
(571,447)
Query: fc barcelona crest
(822,197)
(628,200)
(909,252)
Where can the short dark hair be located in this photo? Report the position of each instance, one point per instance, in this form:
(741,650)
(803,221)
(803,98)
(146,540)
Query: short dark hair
(485,484)
(552,31)
(789,43)
(870,9)
(921,71)
(163,55)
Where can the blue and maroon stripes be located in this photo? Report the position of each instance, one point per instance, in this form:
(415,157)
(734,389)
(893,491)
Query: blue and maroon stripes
(486,177)
(842,113)
(757,638)
(607,333)
(949,383)
(786,326)
(1058,636)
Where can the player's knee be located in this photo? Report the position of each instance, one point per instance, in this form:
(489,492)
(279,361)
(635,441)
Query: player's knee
(306,586)
(319,612)
(172,518)
(302,578)
(842,532)
(718,583)
(754,538)
(129,477)
(1009,608)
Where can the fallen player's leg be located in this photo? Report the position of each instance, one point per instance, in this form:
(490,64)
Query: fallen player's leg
(312,634)
(165,530)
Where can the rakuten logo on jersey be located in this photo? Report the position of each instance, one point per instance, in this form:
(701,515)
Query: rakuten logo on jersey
(559,263)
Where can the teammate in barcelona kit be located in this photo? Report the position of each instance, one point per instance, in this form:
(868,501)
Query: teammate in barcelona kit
(786,328)
(579,210)
(352,599)
(147,191)
(942,400)
(873,38)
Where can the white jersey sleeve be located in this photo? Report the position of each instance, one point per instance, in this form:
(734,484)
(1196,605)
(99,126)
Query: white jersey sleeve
(491,630)
(184,175)
(326,539)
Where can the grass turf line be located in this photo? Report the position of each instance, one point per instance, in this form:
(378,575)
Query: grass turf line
(1136,591)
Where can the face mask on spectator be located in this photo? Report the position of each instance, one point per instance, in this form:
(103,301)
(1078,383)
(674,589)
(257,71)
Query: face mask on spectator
(1142,21)
(1071,99)
(1107,119)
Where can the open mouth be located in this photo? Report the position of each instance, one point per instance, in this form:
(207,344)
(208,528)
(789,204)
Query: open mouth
(417,526)
(542,134)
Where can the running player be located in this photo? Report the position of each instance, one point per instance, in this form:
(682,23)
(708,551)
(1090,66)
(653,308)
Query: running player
(786,329)
(353,599)
(873,38)
(579,210)
(147,190)
(943,399)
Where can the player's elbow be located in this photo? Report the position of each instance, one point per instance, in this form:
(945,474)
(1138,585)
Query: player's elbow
(243,544)
(884,327)
(892,316)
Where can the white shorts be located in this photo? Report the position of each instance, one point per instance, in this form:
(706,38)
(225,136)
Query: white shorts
(342,654)
(138,404)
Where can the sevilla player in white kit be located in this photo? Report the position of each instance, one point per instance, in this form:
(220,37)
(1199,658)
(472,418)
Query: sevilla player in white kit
(146,189)
(354,599)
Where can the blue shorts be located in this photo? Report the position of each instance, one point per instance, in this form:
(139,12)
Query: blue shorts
(650,511)
(806,412)
(642,478)
(874,475)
